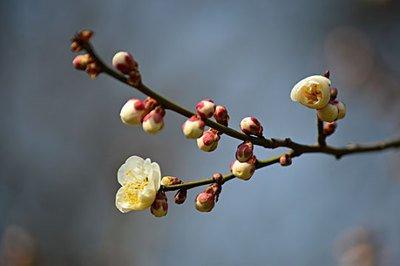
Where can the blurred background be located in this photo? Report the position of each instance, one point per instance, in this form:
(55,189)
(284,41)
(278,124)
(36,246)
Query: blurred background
(62,140)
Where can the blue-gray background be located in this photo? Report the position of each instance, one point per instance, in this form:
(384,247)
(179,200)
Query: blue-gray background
(62,140)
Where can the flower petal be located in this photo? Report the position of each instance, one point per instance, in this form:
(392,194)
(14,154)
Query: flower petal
(130,171)
(156,175)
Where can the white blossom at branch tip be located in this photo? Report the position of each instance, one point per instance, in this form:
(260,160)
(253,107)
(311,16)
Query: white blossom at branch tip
(140,180)
(313,92)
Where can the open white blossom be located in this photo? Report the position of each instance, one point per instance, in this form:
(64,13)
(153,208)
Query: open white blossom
(313,92)
(140,180)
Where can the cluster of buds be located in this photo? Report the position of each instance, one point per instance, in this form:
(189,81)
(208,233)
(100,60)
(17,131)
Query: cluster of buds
(205,201)
(159,208)
(147,112)
(193,128)
(127,65)
(316,92)
(84,62)
(244,170)
(181,195)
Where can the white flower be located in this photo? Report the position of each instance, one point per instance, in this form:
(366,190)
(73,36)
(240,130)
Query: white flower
(140,180)
(313,92)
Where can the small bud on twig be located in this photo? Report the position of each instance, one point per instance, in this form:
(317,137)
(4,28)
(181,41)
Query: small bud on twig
(153,122)
(285,160)
(205,201)
(221,115)
(170,181)
(124,62)
(132,112)
(244,151)
(205,108)
(180,196)
(208,142)
(81,62)
(334,93)
(193,128)
(251,126)
(159,208)
(329,128)
(244,170)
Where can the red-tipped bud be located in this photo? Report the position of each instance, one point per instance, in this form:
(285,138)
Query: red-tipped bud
(244,170)
(81,62)
(221,115)
(193,128)
(170,181)
(180,196)
(208,141)
(93,70)
(134,78)
(244,151)
(329,128)
(205,201)
(132,112)
(218,178)
(159,208)
(124,62)
(205,108)
(153,122)
(285,160)
(251,126)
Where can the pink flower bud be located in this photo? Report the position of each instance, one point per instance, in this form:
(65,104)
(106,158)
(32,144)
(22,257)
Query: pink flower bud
(132,112)
(244,170)
(205,202)
(251,126)
(285,160)
(221,115)
(80,62)
(244,151)
(153,122)
(208,141)
(75,47)
(159,208)
(170,181)
(180,196)
(193,127)
(329,128)
(124,62)
(85,35)
(205,108)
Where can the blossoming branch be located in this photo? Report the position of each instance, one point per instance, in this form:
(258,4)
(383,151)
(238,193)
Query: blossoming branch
(142,185)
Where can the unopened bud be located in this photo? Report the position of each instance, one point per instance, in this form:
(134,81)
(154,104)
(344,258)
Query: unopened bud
(75,47)
(149,104)
(205,108)
(159,208)
(341,110)
(85,35)
(334,93)
(81,61)
(124,62)
(251,126)
(205,202)
(170,181)
(153,122)
(244,170)
(285,160)
(180,196)
(132,112)
(218,178)
(93,70)
(327,74)
(208,141)
(221,115)
(193,128)
(134,78)
(329,113)
(244,151)
(329,128)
